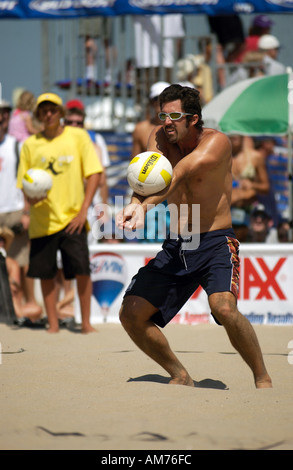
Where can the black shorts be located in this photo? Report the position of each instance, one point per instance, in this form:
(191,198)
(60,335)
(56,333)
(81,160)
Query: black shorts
(170,279)
(74,253)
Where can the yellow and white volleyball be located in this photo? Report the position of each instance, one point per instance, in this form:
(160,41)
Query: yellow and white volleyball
(148,173)
(36,183)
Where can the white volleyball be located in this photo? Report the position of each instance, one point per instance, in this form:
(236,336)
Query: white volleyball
(36,183)
(148,173)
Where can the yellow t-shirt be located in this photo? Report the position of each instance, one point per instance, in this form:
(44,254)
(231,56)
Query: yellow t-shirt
(69,158)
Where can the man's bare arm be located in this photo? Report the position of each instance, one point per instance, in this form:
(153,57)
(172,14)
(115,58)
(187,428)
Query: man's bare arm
(207,156)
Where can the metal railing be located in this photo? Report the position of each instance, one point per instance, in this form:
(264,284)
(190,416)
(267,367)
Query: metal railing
(116,95)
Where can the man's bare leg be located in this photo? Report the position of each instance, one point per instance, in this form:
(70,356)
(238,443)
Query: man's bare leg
(135,316)
(241,335)
(84,289)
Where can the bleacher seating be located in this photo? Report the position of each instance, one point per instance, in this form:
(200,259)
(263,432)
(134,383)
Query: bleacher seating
(119,147)
(278,173)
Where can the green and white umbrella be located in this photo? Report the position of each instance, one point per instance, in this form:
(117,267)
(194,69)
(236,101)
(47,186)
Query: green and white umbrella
(256,107)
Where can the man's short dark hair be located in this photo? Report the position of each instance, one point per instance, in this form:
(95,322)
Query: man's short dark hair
(190,100)
(78,111)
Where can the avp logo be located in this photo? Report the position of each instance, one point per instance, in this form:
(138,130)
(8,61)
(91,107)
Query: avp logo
(258,275)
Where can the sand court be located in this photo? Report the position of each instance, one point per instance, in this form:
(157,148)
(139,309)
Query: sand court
(99,392)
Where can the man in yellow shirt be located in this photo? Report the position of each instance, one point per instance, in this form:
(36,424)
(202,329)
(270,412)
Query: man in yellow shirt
(58,221)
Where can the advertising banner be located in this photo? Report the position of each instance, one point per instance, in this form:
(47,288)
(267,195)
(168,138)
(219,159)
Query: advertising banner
(46,9)
(265,295)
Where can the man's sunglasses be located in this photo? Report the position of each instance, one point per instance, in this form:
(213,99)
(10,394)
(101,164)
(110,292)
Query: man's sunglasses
(70,122)
(173,116)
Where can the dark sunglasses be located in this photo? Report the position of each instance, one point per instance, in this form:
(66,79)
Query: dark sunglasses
(71,122)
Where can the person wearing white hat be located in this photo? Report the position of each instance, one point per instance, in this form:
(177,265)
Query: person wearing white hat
(144,128)
(268,42)
(269,45)
(156,89)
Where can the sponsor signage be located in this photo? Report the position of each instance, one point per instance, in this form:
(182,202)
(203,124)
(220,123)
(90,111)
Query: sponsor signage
(265,291)
(25,9)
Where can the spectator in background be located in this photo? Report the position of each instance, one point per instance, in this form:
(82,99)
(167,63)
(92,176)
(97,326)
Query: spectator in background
(75,115)
(21,122)
(266,146)
(283,231)
(13,272)
(251,66)
(155,35)
(97,33)
(269,45)
(186,70)
(261,25)
(275,150)
(91,50)
(144,128)
(203,79)
(230,36)
(250,56)
(195,72)
(5,110)
(261,226)
(24,317)
(59,221)
(250,178)
(15,216)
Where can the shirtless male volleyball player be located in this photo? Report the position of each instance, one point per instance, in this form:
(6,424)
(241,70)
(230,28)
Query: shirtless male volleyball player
(201,160)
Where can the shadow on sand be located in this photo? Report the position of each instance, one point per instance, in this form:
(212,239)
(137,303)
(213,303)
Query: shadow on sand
(205,383)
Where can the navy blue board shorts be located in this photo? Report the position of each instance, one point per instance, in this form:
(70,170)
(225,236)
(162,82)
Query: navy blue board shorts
(170,279)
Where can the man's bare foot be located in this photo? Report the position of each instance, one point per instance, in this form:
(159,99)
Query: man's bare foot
(184,379)
(264,382)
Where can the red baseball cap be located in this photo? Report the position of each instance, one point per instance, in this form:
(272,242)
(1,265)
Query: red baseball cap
(74,104)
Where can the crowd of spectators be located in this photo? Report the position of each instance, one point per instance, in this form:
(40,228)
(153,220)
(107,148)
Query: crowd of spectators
(237,55)
(260,164)
(259,204)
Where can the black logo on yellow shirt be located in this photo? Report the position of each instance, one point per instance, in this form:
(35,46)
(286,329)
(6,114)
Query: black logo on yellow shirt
(51,167)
